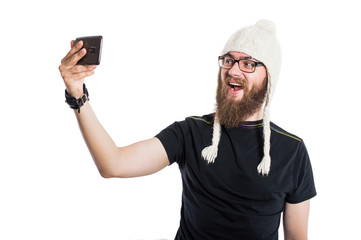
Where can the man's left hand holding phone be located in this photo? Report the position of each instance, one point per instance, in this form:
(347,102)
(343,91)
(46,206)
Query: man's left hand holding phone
(79,63)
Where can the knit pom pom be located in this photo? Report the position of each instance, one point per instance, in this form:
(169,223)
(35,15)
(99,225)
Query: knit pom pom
(267,25)
(265,165)
(210,153)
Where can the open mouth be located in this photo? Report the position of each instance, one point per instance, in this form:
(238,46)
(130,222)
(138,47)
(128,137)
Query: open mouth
(235,86)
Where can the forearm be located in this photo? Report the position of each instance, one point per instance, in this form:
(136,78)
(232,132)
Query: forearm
(139,159)
(100,145)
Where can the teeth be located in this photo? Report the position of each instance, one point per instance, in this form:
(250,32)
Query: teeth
(235,84)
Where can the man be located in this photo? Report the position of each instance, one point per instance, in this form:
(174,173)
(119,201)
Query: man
(231,188)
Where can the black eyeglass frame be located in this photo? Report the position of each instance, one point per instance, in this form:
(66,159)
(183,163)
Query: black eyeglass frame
(256,64)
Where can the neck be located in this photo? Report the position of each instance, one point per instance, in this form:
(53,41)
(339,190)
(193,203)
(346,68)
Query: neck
(256,116)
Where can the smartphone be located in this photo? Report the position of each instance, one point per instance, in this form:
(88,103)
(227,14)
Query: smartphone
(93,46)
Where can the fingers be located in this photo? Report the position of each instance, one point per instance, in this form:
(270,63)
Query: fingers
(69,79)
(68,63)
(74,55)
(81,68)
(74,78)
(73,74)
(77,72)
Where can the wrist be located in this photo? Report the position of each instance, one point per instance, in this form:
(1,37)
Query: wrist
(75,91)
(77,103)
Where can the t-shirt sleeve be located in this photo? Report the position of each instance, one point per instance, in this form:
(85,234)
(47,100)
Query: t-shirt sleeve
(304,186)
(172,139)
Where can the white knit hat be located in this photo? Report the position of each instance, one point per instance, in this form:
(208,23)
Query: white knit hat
(260,42)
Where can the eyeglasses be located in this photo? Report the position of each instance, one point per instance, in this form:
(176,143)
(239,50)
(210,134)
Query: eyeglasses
(245,64)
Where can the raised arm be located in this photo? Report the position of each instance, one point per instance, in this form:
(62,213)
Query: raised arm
(139,159)
(295,220)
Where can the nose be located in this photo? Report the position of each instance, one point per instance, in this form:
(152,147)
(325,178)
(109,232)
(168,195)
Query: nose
(235,71)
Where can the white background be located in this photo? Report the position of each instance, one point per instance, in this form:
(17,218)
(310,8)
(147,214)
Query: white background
(49,186)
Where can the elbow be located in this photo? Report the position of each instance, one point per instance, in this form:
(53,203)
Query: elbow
(106,173)
(113,169)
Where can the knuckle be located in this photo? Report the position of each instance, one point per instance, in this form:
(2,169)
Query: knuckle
(76,57)
(82,52)
(73,61)
(85,74)
(63,74)
(76,68)
(76,48)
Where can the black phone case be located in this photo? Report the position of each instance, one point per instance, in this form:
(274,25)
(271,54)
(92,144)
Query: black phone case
(93,46)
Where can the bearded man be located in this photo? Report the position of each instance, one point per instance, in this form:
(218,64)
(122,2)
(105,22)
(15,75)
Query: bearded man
(230,188)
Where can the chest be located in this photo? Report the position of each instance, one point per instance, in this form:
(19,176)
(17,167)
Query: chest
(234,177)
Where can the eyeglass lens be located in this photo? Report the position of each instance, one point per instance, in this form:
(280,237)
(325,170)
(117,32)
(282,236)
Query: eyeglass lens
(244,64)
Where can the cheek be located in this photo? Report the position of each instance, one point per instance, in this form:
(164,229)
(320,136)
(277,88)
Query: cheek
(224,74)
(257,79)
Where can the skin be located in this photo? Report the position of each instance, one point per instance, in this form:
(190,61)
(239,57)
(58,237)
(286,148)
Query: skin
(295,217)
(254,80)
(295,220)
(149,156)
(139,159)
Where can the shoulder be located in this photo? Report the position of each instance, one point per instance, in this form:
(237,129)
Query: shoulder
(196,125)
(287,144)
(281,133)
(202,120)
(191,124)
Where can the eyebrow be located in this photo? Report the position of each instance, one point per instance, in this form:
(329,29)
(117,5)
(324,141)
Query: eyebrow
(242,58)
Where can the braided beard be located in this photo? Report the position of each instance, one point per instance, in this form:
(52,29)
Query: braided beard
(231,113)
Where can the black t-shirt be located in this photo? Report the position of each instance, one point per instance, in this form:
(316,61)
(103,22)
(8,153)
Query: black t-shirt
(229,199)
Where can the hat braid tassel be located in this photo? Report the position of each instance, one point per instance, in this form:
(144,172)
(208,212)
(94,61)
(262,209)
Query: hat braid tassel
(210,153)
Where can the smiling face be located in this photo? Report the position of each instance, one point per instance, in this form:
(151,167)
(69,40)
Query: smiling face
(240,95)
(235,78)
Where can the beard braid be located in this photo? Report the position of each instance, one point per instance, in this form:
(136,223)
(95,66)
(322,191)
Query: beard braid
(231,113)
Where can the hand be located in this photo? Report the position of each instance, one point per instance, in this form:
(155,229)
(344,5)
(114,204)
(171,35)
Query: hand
(72,74)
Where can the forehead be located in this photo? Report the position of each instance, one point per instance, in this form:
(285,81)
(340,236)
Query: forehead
(239,54)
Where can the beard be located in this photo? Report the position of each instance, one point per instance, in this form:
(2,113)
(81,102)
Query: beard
(231,113)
